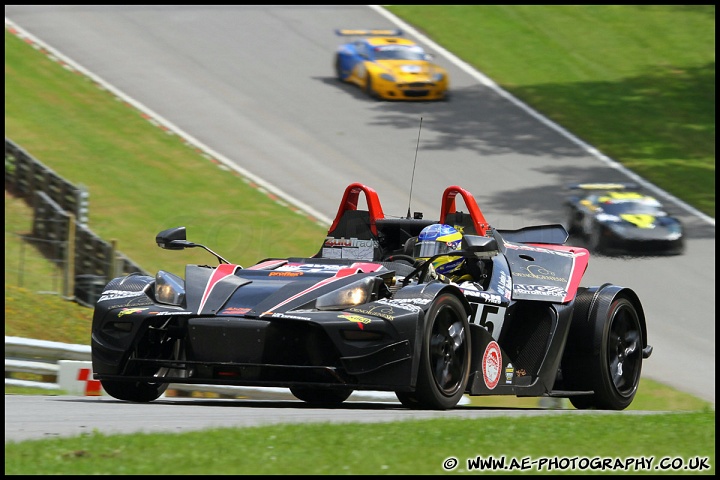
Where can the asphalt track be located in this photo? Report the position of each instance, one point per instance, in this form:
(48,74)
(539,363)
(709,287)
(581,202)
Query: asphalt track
(254,87)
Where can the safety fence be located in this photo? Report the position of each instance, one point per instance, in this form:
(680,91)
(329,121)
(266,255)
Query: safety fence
(59,228)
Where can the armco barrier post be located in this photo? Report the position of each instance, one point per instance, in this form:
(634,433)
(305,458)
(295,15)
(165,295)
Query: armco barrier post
(75,378)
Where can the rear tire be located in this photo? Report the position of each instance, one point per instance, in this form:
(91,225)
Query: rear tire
(445,356)
(611,363)
(338,69)
(322,396)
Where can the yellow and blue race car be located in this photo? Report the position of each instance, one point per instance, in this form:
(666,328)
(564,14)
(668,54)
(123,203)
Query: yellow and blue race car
(389,67)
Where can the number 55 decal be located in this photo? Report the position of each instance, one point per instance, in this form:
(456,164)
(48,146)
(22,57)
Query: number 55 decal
(490,317)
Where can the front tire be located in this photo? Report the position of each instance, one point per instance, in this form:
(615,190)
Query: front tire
(369,88)
(408,400)
(141,392)
(572,217)
(595,241)
(445,356)
(144,391)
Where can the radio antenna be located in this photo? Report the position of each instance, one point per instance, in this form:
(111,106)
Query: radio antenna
(412,179)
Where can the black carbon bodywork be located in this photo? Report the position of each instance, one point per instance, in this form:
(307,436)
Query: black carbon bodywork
(362,315)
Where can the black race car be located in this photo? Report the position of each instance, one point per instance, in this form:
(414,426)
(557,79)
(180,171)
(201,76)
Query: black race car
(365,314)
(614,218)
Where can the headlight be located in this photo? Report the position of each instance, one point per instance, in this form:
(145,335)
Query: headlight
(387,77)
(169,288)
(675,229)
(356,293)
(438,77)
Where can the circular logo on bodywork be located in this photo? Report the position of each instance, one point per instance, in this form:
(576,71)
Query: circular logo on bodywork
(491,365)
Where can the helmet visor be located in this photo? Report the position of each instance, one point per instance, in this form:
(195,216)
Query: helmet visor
(429,248)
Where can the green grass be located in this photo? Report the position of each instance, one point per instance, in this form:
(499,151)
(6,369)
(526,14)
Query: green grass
(635,81)
(140,180)
(408,447)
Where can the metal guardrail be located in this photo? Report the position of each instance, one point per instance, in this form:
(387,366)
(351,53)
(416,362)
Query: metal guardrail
(39,357)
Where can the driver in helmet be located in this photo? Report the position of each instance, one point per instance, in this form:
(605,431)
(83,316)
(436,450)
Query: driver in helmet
(437,239)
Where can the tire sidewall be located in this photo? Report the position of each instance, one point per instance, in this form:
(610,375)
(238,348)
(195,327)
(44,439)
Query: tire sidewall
(428,393)
(604,386)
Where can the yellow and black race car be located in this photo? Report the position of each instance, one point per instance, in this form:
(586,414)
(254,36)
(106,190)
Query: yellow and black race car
(614,218)
(389,67)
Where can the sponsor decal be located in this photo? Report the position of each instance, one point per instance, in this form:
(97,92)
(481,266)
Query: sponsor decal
(504,285)
(128,311)
(543,250)
(520,372)
(170,313)
(547,290)
(404,303)
(491,365)
(539,273)
(348,242)
(113,294)
(309,268)
(476,294)
(357,319)
(491,298)
(285,274)
(351,248)
(235,311)
(286,315)
(414,301)
(382,311)
(509,371)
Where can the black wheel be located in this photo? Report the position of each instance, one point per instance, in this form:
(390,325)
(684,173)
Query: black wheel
(408,400)
(142,392)
(368,87)
(572,226)
(445,355)
(338,70)
(322,396)
(595,243)
(611,365)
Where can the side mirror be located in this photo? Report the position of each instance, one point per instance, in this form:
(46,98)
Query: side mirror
(172,239)
(477,244)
